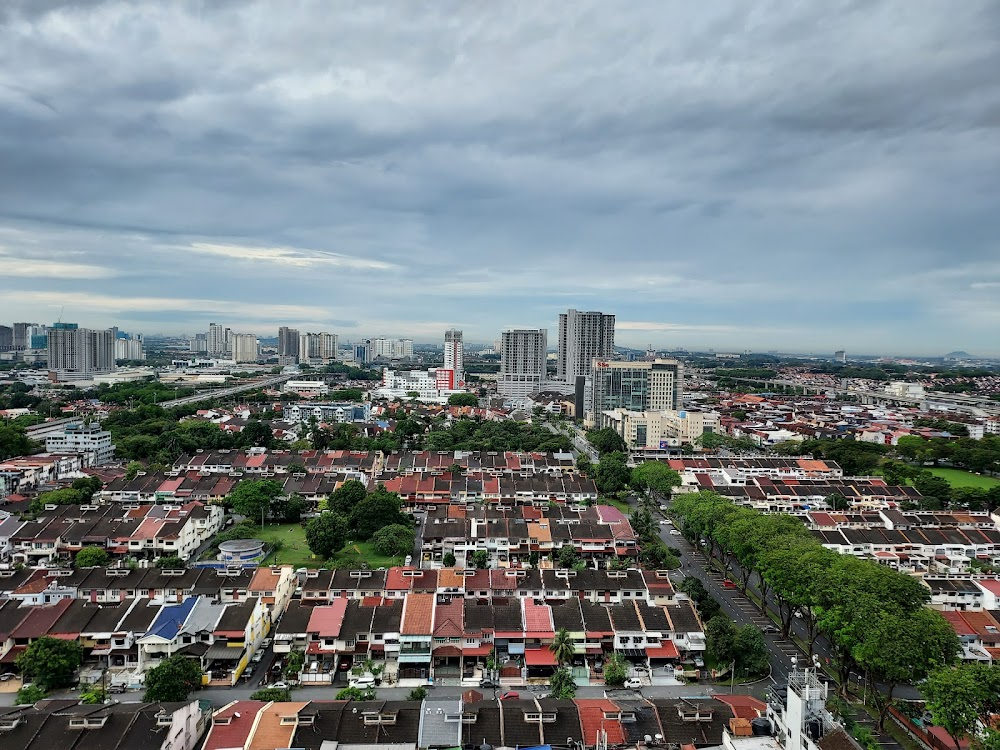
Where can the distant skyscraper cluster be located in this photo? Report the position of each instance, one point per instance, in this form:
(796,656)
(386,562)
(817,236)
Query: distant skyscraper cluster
(296,347)
(71,352)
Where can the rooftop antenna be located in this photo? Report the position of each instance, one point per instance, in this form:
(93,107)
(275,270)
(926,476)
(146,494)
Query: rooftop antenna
(61,311)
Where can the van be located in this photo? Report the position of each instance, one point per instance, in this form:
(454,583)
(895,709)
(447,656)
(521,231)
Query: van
(363,682)
(633,683)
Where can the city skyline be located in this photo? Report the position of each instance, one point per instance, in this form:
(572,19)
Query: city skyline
(731,176)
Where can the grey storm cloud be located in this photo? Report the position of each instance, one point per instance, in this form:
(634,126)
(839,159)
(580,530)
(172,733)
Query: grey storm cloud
(799,177)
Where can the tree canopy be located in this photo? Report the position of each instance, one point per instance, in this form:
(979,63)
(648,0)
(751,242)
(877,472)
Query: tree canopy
(612,473)
(379,509)
(92,557)
(50,662)
(655,476)
(463,399)
(172,680)
(253,499)
(393,540)
(347,496)
(326,534)
(606,440)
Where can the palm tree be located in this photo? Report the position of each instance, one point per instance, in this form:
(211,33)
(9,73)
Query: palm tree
(563,647)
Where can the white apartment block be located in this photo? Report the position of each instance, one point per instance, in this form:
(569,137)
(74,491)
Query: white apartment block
(131,348)
(306,387)
(434,384)
(86,440)
(81,351)
(454,355)
(218,341)
(318,348)
(659,430)
(583,337)
(389,348)
(245,347)
(522,362)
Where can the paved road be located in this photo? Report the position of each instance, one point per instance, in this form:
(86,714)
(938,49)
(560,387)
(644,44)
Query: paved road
(222,392)
(579,440)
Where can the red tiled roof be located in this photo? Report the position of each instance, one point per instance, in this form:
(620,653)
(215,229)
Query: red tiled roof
(744,706)
(540,657)
(326,620)
(666,650)
(236,732)
(418,613)
(592,719)
(537,619)
(449,619)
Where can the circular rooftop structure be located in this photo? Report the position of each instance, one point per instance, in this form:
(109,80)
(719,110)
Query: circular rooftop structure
(239,550)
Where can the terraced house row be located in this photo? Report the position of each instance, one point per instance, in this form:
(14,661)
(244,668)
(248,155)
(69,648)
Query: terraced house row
(141,531)
(512,535)
(472,721)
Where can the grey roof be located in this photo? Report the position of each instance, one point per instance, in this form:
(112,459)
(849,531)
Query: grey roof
(434,730)
(204,617)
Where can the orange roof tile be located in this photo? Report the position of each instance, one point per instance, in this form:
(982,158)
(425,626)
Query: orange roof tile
(269,732)
(418,614)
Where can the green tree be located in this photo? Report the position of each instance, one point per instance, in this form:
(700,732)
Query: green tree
(562,647)
(899,648)
(172,680)
(896,472)
(92,557)
(417,694)
(567,556)
(480,559)
(615,670)
(448,560)
(50,663)
(92,695)
(347,496)
(379,509)
(293,664)
(562,685)
(655,477)
(290,509)
(606,440)
(87,487)
(393,540)
(612,474)
(463,399)
(720,640)
(348,394)
(642,523)
(29,695)
(133,469)
(583,465)
(750,651)
(252,499)
(279,695)
(953,697)
(14,441)
(930,486)
(257,434)
(326,534)
(170,562)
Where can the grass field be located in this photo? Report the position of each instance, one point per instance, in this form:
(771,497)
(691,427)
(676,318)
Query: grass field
(959,478)
(295,552)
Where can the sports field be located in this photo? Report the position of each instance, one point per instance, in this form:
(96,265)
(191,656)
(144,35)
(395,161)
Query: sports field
(959,478)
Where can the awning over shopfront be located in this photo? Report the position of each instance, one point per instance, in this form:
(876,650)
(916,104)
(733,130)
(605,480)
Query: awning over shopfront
(540,657)
(666,650)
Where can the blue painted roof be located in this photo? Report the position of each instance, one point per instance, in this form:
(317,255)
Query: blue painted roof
(171,618)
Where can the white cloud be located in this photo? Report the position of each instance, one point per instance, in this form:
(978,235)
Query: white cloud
(40,268)
(288,256)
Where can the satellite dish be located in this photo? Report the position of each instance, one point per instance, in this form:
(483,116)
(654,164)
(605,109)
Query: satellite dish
(648,739)
(659,737)
(236,715)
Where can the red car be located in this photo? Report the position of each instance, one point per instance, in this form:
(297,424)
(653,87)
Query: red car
(728,584)
(510,695)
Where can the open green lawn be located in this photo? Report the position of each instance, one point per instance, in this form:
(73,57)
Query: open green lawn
(960,478)
(295,552)
(293,545)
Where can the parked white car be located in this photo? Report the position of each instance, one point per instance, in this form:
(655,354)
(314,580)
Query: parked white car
(364,682)
(633,683)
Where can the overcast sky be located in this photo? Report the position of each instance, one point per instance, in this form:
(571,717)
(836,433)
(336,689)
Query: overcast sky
(767,175)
